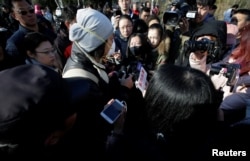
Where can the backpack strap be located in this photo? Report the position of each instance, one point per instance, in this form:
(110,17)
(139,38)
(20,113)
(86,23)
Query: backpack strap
(77,72)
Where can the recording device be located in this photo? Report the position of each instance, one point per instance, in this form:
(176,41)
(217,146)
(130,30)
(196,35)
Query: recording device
(133,68)
(231,72)
(117,12)
(172,18)
(203,45)
(112,112)
(191,14)
(183,9)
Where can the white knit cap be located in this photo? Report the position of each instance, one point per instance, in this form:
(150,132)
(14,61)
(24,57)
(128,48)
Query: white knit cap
(91,30)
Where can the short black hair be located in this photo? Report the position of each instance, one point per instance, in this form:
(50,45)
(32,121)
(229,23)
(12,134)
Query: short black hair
(205,2)
(69,13)
(9,3)
(33,39)
(145,9)
(235,6)
(214,7)
(244,12)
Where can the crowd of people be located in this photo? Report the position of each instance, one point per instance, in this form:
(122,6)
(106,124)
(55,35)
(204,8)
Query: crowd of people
(184,82)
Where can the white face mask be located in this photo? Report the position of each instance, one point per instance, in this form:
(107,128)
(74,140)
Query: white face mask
(112,49)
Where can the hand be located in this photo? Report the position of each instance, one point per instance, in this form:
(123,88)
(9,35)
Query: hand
(127,82)
(219,80)
(117,55)
(119,123)
(184,25)
(117,18)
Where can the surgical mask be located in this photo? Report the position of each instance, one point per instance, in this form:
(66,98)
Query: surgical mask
(136,50)
(112,49)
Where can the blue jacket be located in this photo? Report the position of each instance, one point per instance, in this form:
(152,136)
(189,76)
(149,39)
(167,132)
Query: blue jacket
(15,49)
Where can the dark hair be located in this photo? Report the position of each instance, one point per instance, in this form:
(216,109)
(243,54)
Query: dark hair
(140,26)
(214,7)
(125,17)
(69,13)
(205,2)
(158,27)
(244,12)
(9,3)
(98,52)
(235,6)
(180,97)
(33,39)
(144,44)
(145,9)
(153,17)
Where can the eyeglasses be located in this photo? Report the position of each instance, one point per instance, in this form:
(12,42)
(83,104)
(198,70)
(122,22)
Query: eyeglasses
(53,51)
(125,27)
(25,12)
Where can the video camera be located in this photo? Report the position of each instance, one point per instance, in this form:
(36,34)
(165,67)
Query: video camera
(231,72)
(204,45)
(182,9)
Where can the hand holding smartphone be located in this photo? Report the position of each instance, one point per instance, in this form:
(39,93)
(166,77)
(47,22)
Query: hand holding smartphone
(113,111)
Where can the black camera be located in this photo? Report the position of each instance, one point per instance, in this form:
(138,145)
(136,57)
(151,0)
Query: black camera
(231,72)
(172,18)
(212,48)
(202,45)
(133,68)
(117,12)
(182,9)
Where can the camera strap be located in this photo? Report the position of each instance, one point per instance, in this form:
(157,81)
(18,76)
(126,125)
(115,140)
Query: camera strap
(77,72)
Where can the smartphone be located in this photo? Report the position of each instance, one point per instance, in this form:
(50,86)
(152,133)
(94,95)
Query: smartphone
(113,111)
(117,12)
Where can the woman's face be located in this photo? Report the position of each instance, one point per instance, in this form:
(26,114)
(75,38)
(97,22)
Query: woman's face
(135,41)
(125,27)
(108,45)
(154,37)
(45,54)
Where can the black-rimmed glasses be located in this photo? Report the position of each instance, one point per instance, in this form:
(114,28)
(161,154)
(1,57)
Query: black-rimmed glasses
(22,12)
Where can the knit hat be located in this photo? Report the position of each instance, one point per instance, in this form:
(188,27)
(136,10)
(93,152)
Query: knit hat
(91,30)
(209,28)
(232,31)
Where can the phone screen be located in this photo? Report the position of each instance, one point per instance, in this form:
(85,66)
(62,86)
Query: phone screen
(112,112)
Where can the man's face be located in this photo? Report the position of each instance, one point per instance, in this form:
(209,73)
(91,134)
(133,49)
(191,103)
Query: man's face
(202,12)
(24,13)
(148,4)
(144,16)
(124,4)
(240,20)
(125,27)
